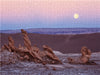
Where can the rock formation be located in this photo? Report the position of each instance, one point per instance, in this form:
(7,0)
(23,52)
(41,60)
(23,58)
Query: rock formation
(49,53)
(7,57)
(27,42)
(84,58)
(70,60)
(45,56)
(86,54)
(32,53)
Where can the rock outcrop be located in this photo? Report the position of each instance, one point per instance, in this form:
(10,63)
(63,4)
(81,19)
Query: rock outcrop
(32,53)
(7,57)
(83,59)
(86,54)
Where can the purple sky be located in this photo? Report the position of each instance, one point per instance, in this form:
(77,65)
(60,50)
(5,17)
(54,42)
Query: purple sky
(17,14)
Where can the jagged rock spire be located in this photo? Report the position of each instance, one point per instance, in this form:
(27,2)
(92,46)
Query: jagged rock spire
(27,42)
(11,43)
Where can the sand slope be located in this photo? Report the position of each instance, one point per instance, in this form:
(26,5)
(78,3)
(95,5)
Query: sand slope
(63,43)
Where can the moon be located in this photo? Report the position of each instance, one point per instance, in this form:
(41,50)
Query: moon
(76,16)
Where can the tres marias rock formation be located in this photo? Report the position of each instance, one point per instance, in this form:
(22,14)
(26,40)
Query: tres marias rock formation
(32,53)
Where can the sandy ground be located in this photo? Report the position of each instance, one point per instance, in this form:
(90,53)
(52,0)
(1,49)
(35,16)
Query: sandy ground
(63,43)
(31,68)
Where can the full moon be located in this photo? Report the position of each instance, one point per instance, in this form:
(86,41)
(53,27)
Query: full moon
(76,16)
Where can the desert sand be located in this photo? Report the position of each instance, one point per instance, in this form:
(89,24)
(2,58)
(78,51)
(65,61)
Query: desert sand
(62,43)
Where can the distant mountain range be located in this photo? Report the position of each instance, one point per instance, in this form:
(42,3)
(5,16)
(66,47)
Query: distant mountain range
(56,30)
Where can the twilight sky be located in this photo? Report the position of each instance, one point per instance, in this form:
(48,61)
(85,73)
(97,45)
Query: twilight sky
(17,14)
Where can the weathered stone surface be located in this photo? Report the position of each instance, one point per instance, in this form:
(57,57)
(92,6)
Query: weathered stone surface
(7,57)
(86,54)
(32,53)
(27,42)
(83,59)
(48,52)
(11,43)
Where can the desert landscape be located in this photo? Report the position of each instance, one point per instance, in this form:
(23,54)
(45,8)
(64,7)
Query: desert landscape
(50,37)
(32,55)
(65,43)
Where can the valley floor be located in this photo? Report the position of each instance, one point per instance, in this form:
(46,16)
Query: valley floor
(31,68)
